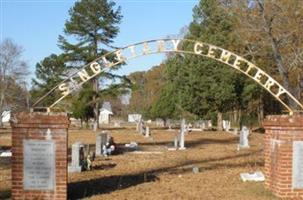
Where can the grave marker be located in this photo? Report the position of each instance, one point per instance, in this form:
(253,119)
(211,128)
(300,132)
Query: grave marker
(203,126)
(140,127)
(176,141)
(95,126)
(226,125)
(101,140)
(147,132)
(182,135)
(77,154)
(209,124)
(244,137)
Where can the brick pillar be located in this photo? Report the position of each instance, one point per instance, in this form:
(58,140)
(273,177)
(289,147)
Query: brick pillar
(283,151)
(39,160)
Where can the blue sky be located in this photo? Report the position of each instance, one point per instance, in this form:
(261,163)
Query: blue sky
(36,24)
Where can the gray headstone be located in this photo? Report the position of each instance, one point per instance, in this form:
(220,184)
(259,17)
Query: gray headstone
(168,122)
(101,140)
(297,165)
(140,127)
(39,164)
(76,153)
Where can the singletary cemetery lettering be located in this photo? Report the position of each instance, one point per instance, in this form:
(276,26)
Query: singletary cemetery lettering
(122,55)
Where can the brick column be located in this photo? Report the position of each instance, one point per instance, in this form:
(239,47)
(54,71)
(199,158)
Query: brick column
(39,148)
(283,151)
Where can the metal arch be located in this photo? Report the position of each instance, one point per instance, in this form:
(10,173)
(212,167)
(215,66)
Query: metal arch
(101,64)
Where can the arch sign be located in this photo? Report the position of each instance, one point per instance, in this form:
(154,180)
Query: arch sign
(122,55)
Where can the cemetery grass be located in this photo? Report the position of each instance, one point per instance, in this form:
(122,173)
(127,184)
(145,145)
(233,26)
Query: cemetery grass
(162,174)
(5,169)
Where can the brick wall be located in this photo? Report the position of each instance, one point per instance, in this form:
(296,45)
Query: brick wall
(280,133)
(27,126)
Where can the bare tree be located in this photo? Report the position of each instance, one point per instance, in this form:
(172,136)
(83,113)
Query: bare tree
(272,32)
(13,70)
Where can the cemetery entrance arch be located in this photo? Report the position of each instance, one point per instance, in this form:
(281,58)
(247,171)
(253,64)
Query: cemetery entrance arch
(183,46)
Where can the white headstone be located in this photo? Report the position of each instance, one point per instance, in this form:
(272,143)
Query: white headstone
(226,125)
(195,170)
(209,124)
(95,126)
(147,133)
(244,133)
(6,115)
(182,135)
(203,127)
(117,124)
(134,117)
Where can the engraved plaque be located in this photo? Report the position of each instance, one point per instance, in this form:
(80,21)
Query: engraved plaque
(297,165)
(38,164)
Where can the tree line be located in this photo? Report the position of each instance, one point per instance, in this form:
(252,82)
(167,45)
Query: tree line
(265,32)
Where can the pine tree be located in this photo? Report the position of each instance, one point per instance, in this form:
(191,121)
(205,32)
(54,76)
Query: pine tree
(94,25)
(49,72)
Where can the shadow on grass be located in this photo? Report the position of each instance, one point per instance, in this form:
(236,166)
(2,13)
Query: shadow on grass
(104,185)
(5,194)
(194,143)
(214,166)
(5,163)
(104,166)
(187,165)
